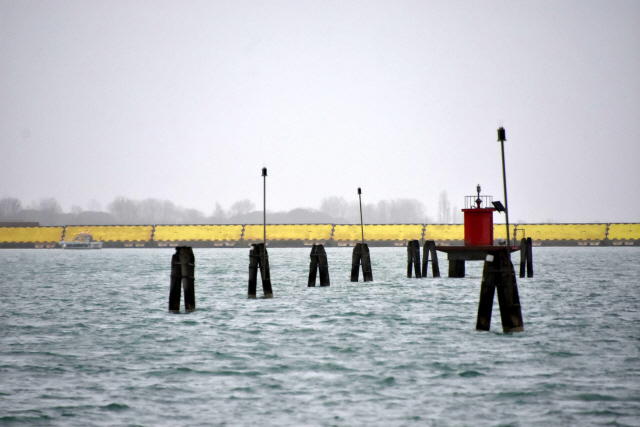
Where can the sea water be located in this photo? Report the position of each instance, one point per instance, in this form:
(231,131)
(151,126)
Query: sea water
(86,339)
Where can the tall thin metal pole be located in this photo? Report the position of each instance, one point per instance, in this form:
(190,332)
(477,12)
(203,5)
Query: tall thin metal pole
(264,221)
(264,206)
(361,223)
(502,138)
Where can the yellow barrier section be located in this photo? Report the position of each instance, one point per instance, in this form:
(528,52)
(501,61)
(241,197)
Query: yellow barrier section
(378,232)
(444,232)
(113,233)
(563,231)
(500,231)
(393,232)
(289,232)
(173,233)
(30,234)
(624,231)
(348,232)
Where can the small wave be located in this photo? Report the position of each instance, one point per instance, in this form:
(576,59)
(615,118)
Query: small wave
(563,354)
(389,381)
(406,367)
(356,314)
(441,366)
(10,419)
(470,374)
(345,350)
(594,397)
(228,373)
(244,389)
(330,367)
(116,407)
(605,413)
(442,376)
(509,395)
(49,396)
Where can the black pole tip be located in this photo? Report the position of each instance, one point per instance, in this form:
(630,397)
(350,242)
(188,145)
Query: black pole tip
(359,190)
(502,135)
(264,171)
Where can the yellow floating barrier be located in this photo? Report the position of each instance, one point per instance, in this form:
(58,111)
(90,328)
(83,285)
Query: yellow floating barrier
(186,233)
(347,233)
(113,233)
(30,234)
(624,232)
(303,232)
(399,233)
(444,232)
(229,234)
(577,232)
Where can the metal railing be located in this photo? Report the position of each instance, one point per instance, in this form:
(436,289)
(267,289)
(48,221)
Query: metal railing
(485,202)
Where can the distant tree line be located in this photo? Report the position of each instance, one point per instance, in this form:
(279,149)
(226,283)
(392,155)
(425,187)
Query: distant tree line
(125,211)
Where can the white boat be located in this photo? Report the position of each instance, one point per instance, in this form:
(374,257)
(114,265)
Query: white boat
(83,240)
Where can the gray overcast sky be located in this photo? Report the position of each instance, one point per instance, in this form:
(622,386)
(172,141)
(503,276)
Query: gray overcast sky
(187,101)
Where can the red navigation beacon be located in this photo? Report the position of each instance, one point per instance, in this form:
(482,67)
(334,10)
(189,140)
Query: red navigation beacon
(478,220)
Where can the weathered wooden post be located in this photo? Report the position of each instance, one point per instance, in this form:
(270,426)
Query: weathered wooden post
(182,276)
(498,273)
(526,257)
(456,267)
(430,249)
(367,272)
(361,254)
(318,261)
(259,259)
(355,262)
(258,256)
(413,258)
(361,257)
(523,256)
(529,257)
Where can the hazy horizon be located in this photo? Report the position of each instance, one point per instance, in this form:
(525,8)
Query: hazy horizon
(187,101)
(154,211)
(334,210)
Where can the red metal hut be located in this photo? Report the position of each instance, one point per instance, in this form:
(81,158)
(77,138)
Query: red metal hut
(478,220)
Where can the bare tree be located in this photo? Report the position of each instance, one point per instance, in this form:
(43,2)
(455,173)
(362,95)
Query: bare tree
(193,216)
(406,211)
(10,207)
(340,209)
(125,211)
(219,215)
(49,210)
(456,215)
(49,204)
(151,211)
(242,207)
(444,209)
(398,211)
(170,213)
(94,206)
(382,213)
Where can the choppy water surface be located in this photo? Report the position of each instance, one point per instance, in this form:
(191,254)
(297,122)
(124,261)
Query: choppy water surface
(86,339)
